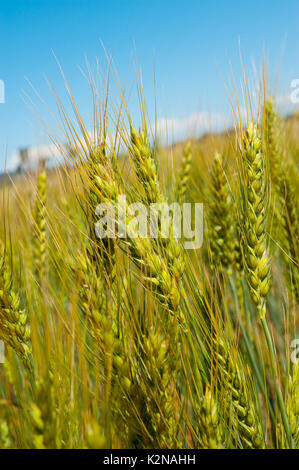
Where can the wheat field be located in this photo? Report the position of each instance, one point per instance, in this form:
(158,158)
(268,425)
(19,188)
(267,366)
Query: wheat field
(133,342)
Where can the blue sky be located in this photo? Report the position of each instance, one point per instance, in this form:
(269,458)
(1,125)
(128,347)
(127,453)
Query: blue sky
(190,42)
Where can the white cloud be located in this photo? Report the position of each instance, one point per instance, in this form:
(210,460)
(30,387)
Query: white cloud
(195,125)
(49,152)
(13,162)
(285,104)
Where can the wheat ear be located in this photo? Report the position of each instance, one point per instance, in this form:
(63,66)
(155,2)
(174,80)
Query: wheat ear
(256,257)
(244,414)
(5,440)
(209,427)
(39,236)
(292,403)
(220,220)
(285,210)
(14,327)
(101,250)
(184,174)
(165,252)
